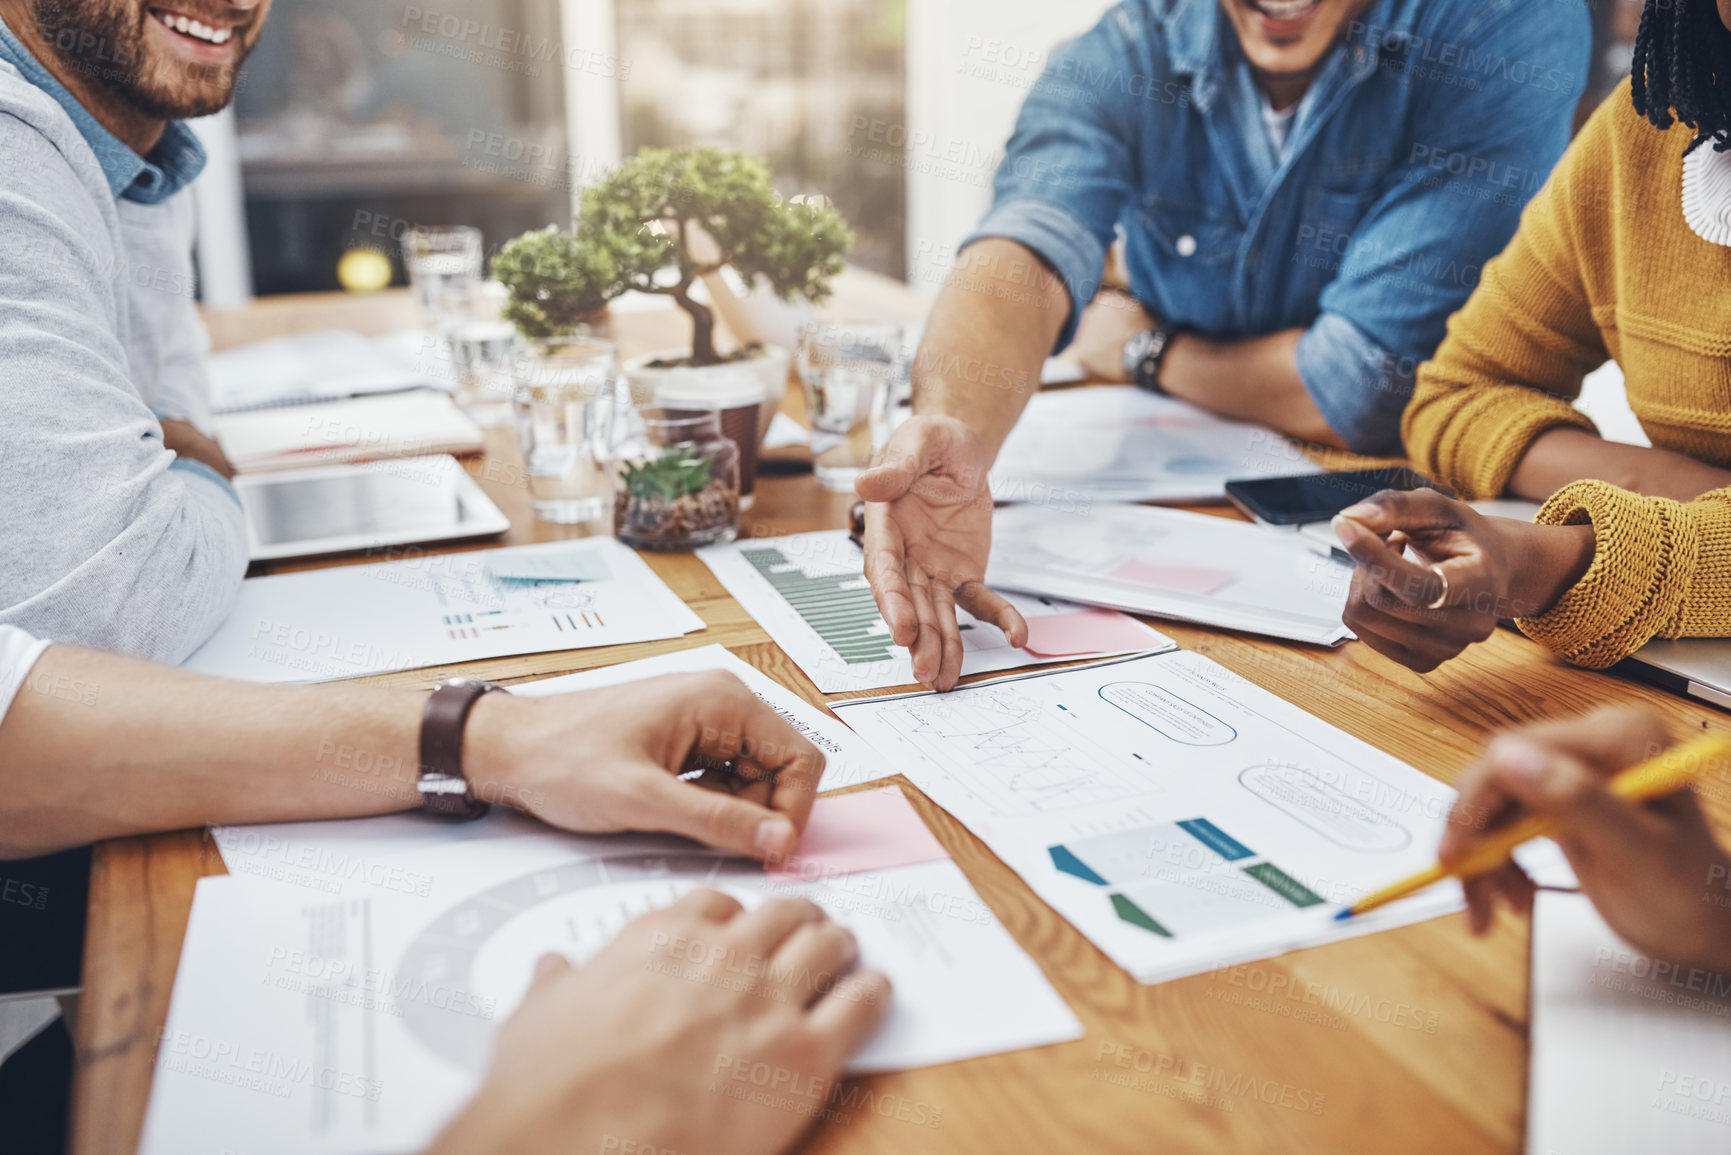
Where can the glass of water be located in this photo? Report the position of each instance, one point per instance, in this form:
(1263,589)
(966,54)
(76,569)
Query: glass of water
(443,262)
(851,373)
(479,345)
(564,392)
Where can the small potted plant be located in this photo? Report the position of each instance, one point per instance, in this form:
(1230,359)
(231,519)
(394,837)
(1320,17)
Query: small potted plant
(664,220)
(678,481)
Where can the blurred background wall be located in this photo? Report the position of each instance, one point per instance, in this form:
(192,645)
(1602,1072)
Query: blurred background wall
(355,121)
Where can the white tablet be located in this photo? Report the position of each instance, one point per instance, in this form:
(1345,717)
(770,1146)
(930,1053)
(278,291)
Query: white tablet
(337,508)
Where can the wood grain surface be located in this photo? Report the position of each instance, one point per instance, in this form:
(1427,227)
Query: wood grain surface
(1412,1040)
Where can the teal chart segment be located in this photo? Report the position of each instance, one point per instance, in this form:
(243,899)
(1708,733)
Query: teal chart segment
(838,606)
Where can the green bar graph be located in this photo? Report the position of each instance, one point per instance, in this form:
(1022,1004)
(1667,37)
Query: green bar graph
(838,606)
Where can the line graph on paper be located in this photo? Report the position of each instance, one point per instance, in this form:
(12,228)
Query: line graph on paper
(1016,753)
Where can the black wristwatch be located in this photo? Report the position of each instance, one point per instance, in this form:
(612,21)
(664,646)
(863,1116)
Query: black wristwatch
(444,790)
(1145,352)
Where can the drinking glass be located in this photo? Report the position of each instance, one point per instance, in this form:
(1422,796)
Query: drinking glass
(851,372)
(443,263)
(564,395)
(479,344)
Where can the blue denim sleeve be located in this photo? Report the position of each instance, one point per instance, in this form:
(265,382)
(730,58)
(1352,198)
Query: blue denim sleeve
(1359,387)
(1491,126)
(1069,167)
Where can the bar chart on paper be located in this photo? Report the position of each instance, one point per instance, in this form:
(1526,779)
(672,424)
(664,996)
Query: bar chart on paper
(837,606)
(810,592)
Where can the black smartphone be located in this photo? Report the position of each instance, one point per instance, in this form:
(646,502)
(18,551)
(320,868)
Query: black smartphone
(1319,496)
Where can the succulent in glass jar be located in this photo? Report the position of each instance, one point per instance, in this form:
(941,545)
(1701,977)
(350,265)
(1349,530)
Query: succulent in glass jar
(680,488)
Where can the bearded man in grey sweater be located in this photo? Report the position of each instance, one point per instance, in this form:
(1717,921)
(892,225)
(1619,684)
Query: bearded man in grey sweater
(119,525)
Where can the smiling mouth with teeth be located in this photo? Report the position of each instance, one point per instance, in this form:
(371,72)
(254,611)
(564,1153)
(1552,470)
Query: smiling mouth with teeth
(1284,9)
(193,29)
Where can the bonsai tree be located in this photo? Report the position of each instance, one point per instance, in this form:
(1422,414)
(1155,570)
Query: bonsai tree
(665,218)
(556,282)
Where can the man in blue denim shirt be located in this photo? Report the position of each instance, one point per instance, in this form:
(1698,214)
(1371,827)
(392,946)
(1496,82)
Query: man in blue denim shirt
(1306,190)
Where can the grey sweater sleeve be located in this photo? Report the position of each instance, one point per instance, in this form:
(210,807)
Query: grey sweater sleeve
(110,541)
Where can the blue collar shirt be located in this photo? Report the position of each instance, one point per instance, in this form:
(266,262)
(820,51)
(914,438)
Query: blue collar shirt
(1406,167)
(151,179)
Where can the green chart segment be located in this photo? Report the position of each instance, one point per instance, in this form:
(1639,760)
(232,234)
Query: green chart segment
(838,606)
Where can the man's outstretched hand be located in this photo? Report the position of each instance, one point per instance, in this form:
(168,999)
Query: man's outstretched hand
(928,533)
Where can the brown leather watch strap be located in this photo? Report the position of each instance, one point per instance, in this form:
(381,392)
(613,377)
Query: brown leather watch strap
(443,788)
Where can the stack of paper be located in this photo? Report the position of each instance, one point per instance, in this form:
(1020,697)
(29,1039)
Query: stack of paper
(1173,564)
(363,429)
(1179,816)
(1119,443)
(809,591)
(437,609)
(340,992)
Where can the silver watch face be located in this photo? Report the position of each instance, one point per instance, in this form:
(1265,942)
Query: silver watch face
(442,784)
(1135,349)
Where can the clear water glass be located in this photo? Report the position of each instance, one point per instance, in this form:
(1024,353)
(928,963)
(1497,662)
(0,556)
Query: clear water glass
(443,263)
(563,394)
(852,374)
(479,345)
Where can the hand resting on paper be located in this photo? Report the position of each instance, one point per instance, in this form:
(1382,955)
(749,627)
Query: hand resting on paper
(139,748)
(1654,870)
(607,759)
(928,535)
(657,1044)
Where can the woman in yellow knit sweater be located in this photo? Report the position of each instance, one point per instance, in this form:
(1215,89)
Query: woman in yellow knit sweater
(1625,254)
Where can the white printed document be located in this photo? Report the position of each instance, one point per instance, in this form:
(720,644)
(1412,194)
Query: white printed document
(1213,571)
(1179,816)
(349,621)
(1119,443)
(809,592)
(1629,1053)
(358,1017)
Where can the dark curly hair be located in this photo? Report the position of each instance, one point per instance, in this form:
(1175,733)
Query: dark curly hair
(1682,69)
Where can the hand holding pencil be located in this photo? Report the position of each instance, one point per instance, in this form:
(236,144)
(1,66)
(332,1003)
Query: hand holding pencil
(1653,868)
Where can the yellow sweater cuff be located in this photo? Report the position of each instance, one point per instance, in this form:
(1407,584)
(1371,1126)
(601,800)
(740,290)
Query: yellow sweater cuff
(1643,564)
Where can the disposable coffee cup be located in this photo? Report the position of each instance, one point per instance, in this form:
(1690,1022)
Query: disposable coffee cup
(739,401)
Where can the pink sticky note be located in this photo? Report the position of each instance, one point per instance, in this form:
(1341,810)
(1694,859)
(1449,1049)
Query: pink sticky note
(1086,632)
(1178,579)
(866,830)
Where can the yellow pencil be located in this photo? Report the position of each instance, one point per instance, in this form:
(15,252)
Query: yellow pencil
(1656,777)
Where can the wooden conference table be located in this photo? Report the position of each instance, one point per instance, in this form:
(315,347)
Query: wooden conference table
(1411,1040)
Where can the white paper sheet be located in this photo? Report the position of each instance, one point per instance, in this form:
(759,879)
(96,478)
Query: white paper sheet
(1179,816)
(809,591)
(434,609)
(1119,443)
(311,1023)
(1187,566)
(1628,1054)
